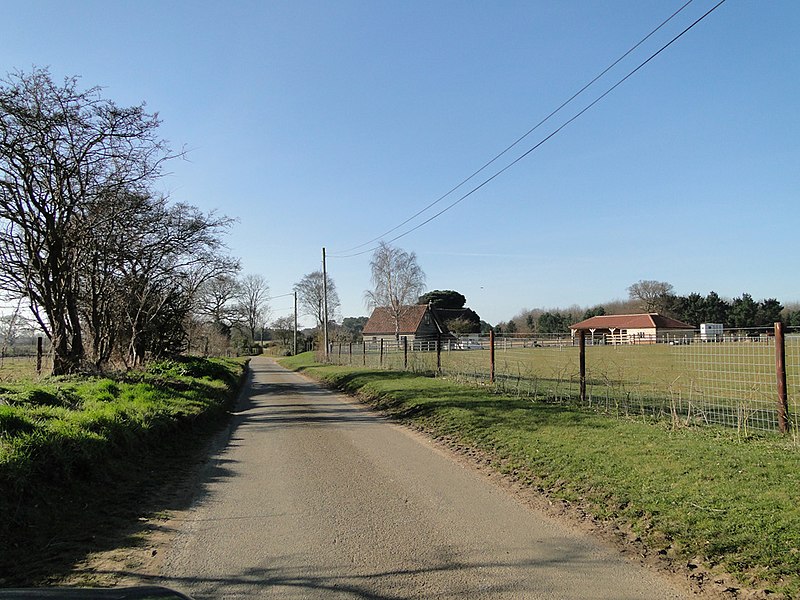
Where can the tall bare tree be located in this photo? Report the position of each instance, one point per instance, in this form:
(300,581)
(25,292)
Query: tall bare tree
(283,330)
(397,282)
(311,295)
(253,303)
(62,149)
(650,295)
(215,301)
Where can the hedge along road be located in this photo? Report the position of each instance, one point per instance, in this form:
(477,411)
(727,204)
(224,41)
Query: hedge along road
(315,496)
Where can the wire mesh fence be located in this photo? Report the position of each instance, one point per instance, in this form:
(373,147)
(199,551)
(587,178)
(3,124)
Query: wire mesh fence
(727,380)
(24,366)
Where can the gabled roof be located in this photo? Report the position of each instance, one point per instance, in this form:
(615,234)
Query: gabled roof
(639,321)
(382,322)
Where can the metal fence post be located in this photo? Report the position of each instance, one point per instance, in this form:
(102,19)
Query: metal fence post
(780,371)
(491,356)
(582,363)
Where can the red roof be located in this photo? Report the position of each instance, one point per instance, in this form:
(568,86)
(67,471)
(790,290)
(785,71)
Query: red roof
(382,322)
(641,321)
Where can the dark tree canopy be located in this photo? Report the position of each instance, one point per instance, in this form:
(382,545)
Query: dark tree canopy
(354,325)
(460,321)
(443,299)
(596,311)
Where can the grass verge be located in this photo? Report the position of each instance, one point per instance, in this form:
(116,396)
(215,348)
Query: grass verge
(78,455)
(700,496)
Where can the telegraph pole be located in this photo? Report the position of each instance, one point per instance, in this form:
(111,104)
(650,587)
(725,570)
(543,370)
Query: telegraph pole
(294,339)
(325,302)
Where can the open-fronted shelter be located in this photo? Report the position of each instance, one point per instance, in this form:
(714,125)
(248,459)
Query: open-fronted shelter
(645,328)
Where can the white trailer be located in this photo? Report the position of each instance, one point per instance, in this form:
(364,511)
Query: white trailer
(711,332)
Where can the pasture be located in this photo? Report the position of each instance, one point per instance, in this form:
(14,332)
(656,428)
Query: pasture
(22,368)
(732,383)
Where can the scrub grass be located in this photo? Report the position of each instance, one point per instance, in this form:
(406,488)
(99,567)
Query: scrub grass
(69,445)
(699,495)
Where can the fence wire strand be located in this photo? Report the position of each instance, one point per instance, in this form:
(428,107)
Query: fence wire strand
(729,381)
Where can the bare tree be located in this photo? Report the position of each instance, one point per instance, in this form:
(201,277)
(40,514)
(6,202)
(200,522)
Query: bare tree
(253,303)
(215,300)
(10,327)
(283,330)
(398,281)
(311,295)
(176,250)
(650,295)
(62,149)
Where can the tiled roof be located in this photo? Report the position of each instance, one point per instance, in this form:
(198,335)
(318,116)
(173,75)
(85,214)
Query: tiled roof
(640,321)
(382,322)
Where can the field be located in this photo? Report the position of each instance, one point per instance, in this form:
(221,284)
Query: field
(22,368)
(730,383)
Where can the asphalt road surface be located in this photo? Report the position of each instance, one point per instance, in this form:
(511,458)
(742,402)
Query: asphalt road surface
(315,496)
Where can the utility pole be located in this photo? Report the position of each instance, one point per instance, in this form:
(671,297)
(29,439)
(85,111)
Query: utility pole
(294,340)
(325,302)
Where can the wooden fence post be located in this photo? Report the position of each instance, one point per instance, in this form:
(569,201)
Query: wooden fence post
(438,353)
(39,345)
(491,356)
(582,363)
(351,353)
(364,351)
(405,353)
(381,358)
(780,371)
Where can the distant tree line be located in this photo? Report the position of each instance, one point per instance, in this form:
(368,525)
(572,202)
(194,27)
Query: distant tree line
(738,313)
(656,296)
(545,322)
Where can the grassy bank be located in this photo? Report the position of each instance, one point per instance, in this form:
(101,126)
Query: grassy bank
(73,450)
(698,495)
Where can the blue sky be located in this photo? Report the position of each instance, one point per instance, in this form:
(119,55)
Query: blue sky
(328,123)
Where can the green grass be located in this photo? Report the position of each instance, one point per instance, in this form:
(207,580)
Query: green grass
(22,368)
(62,439)
(687,492)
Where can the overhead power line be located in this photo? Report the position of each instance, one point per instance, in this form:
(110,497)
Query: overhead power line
(348,254)
(524,135)
(281,296)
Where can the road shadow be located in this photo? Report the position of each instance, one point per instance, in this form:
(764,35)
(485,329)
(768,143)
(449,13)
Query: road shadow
(450,576)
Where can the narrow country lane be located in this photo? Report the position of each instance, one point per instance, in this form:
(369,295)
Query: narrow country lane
(317,497)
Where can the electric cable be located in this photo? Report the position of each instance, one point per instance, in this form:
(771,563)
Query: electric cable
(527,133)
(548,137)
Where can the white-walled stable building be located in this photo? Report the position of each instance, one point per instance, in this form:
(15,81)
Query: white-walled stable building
(645,328)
